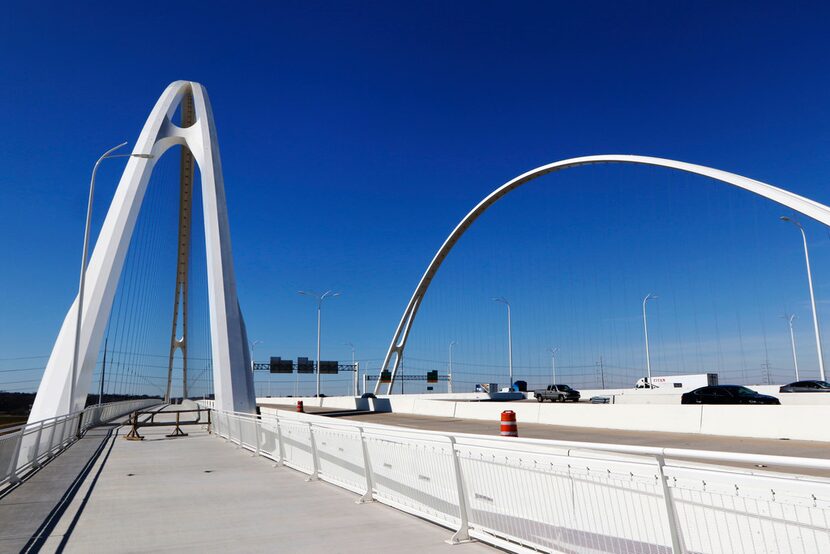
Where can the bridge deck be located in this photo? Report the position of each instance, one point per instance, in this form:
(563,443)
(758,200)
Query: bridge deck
(199,492)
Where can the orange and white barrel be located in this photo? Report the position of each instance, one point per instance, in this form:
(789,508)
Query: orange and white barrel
(508,424)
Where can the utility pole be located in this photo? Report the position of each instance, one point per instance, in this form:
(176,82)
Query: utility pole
(601,372)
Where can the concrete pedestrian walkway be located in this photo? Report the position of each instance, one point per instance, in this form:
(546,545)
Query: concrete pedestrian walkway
(201,493)
(29,510)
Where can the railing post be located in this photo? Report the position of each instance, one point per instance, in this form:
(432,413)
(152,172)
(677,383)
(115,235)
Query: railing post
(256,434)
(279,441)
(13,478)
(35,463)
(51,437)
(463,533)
(239,426)
(217,425)
(316,464)
(671,514)
(368,496)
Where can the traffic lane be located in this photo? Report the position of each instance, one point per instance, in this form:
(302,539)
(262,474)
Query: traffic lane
(772,447)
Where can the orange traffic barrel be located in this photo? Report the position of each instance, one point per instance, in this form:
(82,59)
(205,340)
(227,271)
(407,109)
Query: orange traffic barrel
(508,424)
(300,406)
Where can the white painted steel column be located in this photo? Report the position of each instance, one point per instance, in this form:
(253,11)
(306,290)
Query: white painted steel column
(463,533)
(35,463)
(671,513)
(281,448)
(256,434)
(367,496)
(314,457)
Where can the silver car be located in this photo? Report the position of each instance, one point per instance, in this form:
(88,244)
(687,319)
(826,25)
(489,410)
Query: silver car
(806,386)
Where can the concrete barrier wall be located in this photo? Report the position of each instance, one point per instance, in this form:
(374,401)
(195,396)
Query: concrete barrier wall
(795,422)
(658,396)
(334,402)
(771,422)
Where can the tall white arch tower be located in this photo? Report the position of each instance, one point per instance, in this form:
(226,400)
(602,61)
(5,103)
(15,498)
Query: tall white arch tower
(233,381)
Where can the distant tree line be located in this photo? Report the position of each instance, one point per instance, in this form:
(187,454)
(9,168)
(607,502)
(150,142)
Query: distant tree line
(20,403)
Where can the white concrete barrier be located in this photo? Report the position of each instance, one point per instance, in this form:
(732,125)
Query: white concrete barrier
(795,422)
(768,422)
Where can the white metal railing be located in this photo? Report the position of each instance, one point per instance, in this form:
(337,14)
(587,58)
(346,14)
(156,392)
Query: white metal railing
(554,496)
(27,446)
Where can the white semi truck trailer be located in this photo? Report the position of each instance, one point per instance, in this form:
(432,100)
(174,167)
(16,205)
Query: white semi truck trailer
(694,381)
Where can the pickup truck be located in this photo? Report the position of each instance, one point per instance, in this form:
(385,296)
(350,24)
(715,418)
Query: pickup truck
(556,393)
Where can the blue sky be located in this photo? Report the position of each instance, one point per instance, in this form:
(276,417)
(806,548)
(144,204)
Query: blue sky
(355,135)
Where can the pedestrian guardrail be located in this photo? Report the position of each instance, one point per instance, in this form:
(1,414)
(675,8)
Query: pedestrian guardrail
(553,496)
(26,447)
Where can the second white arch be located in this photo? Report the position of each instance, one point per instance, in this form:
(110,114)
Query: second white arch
(805,206)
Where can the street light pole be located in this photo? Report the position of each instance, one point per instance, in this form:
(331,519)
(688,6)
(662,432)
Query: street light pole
(553,352)
(648,297)
(819,351)
(504,301)
(449,370)
(790,318)
(82,281)
(320,298)
(253,375)
(354,368)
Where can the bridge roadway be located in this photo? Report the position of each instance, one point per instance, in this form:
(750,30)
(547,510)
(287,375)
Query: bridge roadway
(195,493)
(799,448)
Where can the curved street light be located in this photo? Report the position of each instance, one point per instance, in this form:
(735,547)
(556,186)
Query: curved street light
(648,297)
(503,300)
(553,352)
(319,297)
(82,281)
(819,350)
(449,372)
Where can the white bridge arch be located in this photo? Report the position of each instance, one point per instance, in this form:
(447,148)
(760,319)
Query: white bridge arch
(805,206)
(233,382)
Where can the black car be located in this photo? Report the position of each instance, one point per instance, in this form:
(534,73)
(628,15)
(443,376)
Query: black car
(806,386)
(726,394)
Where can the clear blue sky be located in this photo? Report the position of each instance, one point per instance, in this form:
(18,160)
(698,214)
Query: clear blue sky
(354,135)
